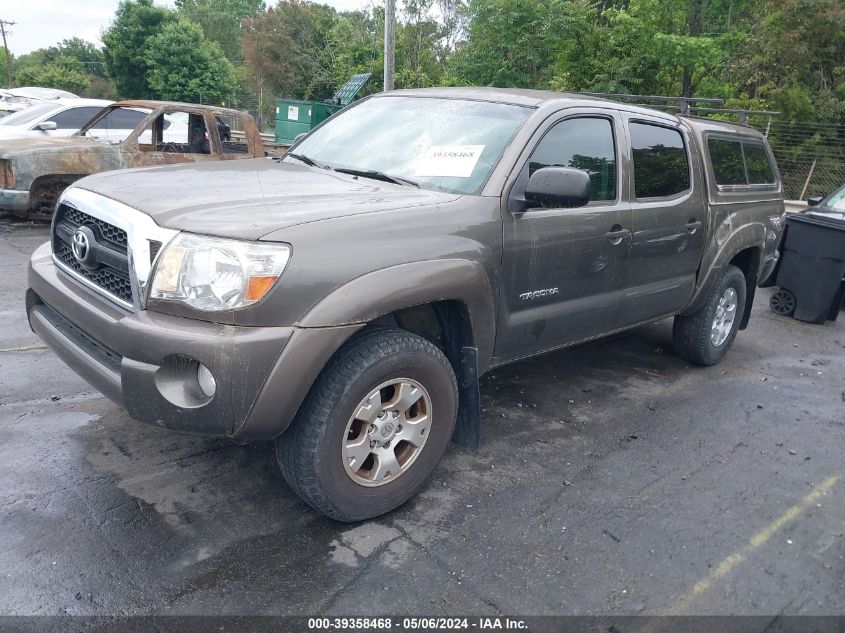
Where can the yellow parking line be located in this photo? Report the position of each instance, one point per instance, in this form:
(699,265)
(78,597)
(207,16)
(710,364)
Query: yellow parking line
(758,540)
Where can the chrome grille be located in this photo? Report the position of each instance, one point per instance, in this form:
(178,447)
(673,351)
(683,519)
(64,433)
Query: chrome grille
(109,232)
(116,245)
(111,271)
(106,278)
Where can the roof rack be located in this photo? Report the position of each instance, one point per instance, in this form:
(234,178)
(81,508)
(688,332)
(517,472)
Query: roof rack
(684,105)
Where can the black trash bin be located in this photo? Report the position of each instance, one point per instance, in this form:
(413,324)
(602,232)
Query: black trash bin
(812,266)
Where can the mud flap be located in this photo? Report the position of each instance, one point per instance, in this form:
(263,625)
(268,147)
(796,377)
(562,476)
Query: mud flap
(468,426)
(750,290)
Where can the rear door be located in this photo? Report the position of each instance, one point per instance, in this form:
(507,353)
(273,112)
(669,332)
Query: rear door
(562,272)
(668,217)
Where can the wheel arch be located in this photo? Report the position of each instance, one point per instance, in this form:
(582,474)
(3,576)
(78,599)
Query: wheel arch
(457,290)
(744,249)
(449,302)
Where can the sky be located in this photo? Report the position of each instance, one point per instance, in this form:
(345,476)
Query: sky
(43,23)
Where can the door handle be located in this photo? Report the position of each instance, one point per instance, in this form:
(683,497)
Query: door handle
(693,226)
(616,235)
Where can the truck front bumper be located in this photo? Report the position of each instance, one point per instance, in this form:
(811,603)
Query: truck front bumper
(14,200)
(147,362)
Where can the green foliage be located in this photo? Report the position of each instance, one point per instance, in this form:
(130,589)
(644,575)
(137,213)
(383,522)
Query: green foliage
(3,76)
(85,52)
(62,72)
(126,43)
(184,66)
(221,20)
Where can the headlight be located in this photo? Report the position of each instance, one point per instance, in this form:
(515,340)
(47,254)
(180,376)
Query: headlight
(211,274)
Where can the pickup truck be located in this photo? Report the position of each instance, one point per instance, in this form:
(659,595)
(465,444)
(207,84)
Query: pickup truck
(344,299)
(34,171)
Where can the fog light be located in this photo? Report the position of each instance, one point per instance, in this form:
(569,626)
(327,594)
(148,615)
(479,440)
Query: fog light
(206,380)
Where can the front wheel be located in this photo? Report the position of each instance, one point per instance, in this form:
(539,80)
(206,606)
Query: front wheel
(373,427)
(705,336)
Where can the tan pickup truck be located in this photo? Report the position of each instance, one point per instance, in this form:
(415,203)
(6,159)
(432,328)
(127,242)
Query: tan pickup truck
(345,299)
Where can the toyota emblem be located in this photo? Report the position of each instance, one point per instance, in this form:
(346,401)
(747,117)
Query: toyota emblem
(80,245)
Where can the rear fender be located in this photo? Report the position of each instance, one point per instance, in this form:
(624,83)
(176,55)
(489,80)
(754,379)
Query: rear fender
(750,236)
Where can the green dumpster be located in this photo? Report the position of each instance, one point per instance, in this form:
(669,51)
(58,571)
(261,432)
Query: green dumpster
(298,117)
(294,117)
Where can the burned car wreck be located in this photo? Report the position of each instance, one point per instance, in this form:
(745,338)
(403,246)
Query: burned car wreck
(34,172)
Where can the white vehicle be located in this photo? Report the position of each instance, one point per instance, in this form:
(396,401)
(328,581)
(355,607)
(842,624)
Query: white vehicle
(42,94)
(64,117)
(10,103)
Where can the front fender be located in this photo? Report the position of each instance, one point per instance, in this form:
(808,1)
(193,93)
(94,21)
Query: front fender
(381,292)
(347,309)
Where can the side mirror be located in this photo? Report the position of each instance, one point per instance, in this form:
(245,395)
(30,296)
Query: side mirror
(814,201)
(46,126)
(558,187)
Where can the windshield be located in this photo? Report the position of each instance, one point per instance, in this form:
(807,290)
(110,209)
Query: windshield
(836,200)
(444,144)
(30,115)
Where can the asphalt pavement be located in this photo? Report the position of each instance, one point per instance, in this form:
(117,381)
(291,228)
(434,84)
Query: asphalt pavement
(613,478)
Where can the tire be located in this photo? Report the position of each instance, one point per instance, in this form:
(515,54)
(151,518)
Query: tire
(783,303)
(695,336)
(314,452)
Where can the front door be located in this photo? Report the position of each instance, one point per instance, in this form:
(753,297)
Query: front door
(563,267)
(668,215)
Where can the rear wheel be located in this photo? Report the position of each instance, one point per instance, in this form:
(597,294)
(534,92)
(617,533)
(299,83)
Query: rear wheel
(373,427)
(704,337)
(783,303)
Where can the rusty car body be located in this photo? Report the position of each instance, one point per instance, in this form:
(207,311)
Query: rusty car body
(34,172)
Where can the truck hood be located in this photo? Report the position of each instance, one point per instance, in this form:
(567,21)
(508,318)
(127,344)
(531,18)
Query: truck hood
(12,147)
(248,199)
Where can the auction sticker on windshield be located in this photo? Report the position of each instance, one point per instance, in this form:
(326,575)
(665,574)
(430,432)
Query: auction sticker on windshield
(450,161)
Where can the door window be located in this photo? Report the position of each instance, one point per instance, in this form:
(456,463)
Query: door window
(583,143)
(74,118)
(661,168)
(232,134)
(176,133)
(120,119)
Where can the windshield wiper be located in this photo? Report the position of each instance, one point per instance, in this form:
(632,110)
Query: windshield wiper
(378,175)
(308,161)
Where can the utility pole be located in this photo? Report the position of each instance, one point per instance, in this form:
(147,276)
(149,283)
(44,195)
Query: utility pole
(389,42)
(3,25)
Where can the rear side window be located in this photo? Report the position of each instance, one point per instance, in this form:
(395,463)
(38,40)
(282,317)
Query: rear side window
(661,168)
(738,162)
(728,166)
(757,164)
(582,143)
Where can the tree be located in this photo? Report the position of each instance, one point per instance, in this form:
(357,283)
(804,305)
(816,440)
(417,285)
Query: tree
(184,66)
(290,50)
(221,20)
(126,45)
(417,40)
(513,42)
(86,52)
(64,73)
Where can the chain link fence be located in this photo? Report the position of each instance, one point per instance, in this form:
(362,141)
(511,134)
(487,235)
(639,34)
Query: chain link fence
(810,156)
